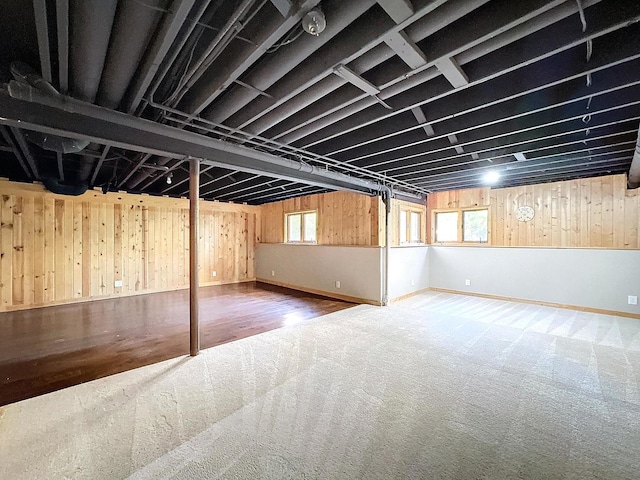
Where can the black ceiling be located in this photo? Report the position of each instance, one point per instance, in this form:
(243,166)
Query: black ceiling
(420,95)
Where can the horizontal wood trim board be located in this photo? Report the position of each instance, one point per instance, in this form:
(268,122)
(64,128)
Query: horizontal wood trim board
(537,302)
(314,291)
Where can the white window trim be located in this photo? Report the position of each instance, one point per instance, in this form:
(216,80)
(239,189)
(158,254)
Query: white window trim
(286,228)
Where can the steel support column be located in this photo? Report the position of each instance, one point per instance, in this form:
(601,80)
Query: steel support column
(194,194)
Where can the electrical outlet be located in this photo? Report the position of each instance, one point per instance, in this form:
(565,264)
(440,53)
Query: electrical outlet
(467,282)
(117,283)
(632,299)
(273,273)
(214,274)
(413,283)
(337,283)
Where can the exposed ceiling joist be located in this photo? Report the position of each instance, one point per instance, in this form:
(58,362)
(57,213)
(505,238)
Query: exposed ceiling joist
(453,72)
(398,10)
(612,82)
(42,30)
(62,27)
(465,43)
(406,49)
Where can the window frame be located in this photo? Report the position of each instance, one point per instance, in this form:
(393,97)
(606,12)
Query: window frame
(408,212)
(460,227)
(302,227)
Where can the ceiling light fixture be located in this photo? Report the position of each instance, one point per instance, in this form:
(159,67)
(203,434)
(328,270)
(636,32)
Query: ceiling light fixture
(314,22)
(169,178)
(491,177)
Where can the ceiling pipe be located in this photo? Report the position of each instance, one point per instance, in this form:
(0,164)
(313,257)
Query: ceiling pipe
(133,29)
(633,180)
(183,45)
(273,66)
(90,30)
(221,40)
(90,23)
(216,80)
(167,33)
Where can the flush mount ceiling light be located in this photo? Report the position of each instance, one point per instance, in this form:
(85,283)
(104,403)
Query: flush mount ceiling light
(314,22)
(491,177)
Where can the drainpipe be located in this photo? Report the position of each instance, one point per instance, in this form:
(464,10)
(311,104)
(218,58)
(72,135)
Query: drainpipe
(386,198)
(634,170)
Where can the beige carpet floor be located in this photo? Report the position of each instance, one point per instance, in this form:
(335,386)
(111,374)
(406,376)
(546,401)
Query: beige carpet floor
(437,386)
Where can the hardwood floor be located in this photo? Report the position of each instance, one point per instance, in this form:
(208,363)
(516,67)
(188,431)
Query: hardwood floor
(47,349)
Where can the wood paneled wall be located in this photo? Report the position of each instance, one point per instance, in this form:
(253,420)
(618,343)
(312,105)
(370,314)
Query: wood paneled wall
(344,218)
(58,249)
(590,212)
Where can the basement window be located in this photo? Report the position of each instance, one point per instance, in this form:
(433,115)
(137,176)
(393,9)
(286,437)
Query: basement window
(300,227)
(446,227)
(410,226)
(475,225)
(462,226)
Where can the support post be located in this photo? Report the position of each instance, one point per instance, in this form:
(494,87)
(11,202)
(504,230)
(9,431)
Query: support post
(386,197)
(194,194)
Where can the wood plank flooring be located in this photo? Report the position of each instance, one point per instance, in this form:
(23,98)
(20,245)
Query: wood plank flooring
(46,349)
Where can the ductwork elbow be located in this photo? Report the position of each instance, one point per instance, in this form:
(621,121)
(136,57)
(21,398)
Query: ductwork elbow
(29,83)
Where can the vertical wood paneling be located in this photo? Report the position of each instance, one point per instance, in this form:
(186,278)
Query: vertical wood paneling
(344,218)
(592,212)
(28,242)
(57,249)
(18,254)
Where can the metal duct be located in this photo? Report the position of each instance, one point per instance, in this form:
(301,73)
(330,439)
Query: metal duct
(89,34)
(26,75)
(90,30)
(634,170)
(132,31)
(55,143)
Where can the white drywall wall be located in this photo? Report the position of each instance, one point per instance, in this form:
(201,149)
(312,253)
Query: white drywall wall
(318,267)
(594,278)
(408,270)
